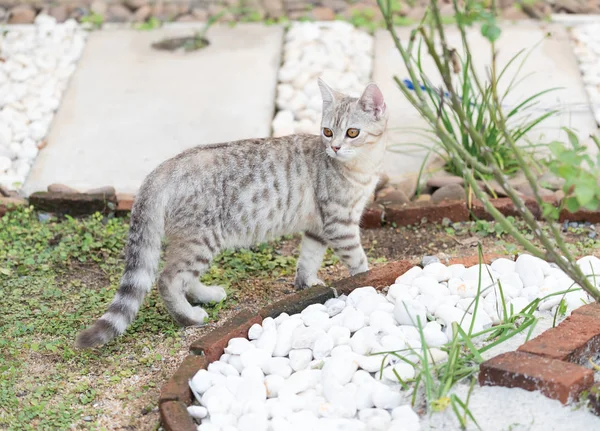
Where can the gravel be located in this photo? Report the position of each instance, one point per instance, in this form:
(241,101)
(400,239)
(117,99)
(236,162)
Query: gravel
(336,52)
(37,62)
(318,369)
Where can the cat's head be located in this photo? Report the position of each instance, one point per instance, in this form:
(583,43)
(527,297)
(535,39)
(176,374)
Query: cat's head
(351,127)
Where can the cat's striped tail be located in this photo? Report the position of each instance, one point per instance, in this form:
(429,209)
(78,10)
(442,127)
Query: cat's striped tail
(141,261)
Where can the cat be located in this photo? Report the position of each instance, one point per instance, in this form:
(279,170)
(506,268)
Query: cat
(236,194)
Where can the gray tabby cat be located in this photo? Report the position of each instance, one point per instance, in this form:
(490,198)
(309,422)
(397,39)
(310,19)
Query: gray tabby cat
(237,194)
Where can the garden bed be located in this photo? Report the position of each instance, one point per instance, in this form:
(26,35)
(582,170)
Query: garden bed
(536,366)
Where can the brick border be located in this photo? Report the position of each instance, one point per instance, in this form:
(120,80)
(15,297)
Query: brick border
(175,394)
(374,216)
(552,361)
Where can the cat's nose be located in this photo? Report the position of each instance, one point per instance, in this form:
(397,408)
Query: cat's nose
(335,149)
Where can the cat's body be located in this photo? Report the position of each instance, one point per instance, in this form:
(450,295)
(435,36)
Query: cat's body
(237,194)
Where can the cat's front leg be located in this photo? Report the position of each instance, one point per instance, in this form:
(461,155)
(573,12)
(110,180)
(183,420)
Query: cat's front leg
(311,256)
(346,245)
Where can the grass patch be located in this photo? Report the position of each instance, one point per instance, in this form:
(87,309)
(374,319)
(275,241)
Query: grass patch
(56,276)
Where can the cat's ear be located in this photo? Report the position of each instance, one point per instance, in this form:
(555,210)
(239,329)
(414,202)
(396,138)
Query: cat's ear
(328,94)
(372,101)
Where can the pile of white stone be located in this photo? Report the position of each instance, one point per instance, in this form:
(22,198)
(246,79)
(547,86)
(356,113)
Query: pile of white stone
(322,369)
(36,63)
(587,49)
(336,52)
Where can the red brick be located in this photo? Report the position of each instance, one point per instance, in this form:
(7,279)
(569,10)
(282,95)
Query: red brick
(298,301)
(416,212)
(505,206)
(574,340)
(213,344)
(474,260)
(372,217)
(379,277)
(555,379)
(124,202)
(174,417)
(75,204)
(580,216)
(177,388)
(592,310)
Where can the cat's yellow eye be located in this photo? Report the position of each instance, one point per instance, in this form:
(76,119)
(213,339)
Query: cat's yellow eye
(352,133)
(327,132)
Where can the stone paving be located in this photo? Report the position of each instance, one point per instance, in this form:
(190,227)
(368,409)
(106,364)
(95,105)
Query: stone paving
(129,107)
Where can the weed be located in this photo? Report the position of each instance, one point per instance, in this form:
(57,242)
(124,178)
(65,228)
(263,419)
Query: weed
(94,20)
(152,24)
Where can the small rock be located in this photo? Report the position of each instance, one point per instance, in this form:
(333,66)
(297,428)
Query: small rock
(408,311)
(99,7)
(142,14)
(390,196)
(339,334)
(254,331)
(273,8)
(526,189)
(386,398)
(451,192)
(320,13)
(21,14)
(300,358)
(108,191)
(61,188)
(444,179)
(427,260)
(118,13)
(530,270)
(60,13)
(514,14)
(186,18)
(197,412)
(136,4)
(87,418)
(304,338)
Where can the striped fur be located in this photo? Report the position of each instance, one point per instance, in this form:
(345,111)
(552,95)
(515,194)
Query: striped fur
(236,194)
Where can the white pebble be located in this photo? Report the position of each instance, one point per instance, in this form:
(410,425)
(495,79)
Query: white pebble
(409,312)
(197,412)
(530,270)
(254,332)
(300,358)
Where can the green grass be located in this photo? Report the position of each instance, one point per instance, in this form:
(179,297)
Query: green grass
(55,278)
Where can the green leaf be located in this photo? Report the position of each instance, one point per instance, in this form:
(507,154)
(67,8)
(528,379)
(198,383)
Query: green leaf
(490,31)
(586,190)
(571,204)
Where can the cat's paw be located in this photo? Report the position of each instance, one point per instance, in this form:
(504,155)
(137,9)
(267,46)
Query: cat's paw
(215,294)
(301,284)
(200,317)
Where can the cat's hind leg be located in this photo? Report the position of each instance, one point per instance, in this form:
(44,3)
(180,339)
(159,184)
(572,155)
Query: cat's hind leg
(312,251)
(186,261)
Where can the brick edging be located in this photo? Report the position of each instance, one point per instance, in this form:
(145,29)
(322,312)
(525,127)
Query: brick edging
(175,394)
(552,361)
(75,203)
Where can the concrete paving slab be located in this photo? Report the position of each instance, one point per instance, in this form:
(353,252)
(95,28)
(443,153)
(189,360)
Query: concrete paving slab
(551,64)
(130,107)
